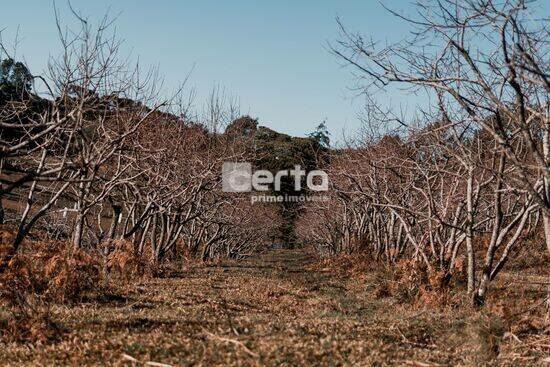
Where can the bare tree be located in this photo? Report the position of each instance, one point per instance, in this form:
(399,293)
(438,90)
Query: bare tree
(488,61)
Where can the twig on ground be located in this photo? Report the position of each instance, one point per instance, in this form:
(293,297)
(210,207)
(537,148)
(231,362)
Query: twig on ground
(231,341)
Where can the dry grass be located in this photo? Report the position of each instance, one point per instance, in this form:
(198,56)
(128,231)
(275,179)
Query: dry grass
(284,309)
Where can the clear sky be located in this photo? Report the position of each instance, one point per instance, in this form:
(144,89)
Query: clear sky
(272,55)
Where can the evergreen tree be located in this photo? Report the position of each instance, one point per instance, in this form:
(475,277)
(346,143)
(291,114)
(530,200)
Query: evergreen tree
(321,135)
(14,77)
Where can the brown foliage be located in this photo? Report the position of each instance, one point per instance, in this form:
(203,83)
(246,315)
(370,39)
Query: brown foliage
(53,270)
(47,271)
(124,262)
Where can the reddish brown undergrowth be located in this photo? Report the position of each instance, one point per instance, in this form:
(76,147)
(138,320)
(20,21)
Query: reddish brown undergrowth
(46,272)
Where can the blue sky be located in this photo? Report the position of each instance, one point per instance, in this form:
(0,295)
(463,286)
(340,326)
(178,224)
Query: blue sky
(270,54)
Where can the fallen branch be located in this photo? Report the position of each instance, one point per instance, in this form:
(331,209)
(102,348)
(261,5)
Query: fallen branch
(231,341)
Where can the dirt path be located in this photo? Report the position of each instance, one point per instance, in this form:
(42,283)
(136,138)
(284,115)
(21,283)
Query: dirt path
(271,310)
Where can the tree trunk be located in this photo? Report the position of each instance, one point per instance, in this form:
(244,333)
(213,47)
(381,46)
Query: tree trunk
(154,243)
(546,222)
(1,195)
(205,253)
(493,244)
(546,188)
(1,208)
(79,227)
(469,234)
(110,237)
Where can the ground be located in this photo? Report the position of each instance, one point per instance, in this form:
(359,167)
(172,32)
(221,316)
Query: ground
(280,308)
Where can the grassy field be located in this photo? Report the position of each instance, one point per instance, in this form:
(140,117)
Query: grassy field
(282,308)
